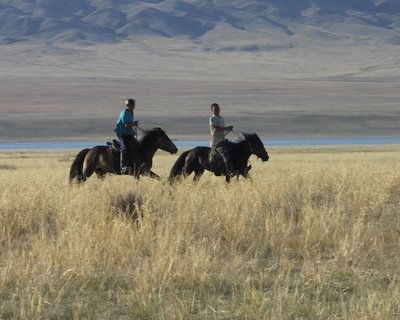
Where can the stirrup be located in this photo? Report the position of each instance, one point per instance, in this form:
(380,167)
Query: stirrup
(126,170)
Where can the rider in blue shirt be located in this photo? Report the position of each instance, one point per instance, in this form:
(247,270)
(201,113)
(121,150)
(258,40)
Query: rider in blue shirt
(126,135)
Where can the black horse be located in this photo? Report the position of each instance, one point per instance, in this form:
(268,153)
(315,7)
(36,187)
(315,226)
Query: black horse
(106,159)
(227,159)
(144,150)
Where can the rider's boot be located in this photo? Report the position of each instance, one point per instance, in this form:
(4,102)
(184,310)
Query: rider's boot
(125,169)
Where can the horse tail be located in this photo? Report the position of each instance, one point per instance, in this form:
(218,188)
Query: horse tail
(177,168)
(76,171)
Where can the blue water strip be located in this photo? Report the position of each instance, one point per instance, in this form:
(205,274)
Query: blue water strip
(72,145)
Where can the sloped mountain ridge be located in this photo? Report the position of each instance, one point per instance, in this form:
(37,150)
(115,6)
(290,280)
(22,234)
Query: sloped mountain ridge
(255,25)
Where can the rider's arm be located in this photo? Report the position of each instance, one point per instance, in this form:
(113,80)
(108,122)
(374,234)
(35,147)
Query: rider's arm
(127,119)
(218,128)
(131,124)
(223,128)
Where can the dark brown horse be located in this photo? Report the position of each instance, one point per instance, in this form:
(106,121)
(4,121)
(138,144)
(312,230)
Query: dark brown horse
(105,159)
(227,159)
(99,159)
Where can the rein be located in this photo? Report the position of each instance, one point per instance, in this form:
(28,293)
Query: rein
(235,133)
(142,130)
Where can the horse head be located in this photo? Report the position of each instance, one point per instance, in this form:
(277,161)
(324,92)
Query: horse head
(165,142)
(256,146)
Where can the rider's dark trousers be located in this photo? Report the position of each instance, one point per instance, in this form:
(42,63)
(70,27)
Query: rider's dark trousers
(128,144)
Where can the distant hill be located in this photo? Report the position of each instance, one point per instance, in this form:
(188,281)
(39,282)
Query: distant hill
(214,24)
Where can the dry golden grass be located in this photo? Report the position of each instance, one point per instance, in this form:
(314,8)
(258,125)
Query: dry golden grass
(315,235)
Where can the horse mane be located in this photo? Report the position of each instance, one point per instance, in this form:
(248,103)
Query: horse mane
(245,136)
(241,138)
(151,134)
(248,135)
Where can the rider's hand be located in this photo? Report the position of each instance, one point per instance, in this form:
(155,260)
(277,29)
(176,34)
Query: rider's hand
(230,128)
(135,123)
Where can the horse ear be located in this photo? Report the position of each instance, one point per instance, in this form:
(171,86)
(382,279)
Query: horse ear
(116,142)
(109,143)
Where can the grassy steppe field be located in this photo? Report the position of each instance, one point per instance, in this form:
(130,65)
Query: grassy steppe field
(314,235)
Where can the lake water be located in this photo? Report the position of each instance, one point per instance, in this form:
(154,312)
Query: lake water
(72,145)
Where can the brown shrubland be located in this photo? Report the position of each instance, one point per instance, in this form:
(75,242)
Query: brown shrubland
(314,235)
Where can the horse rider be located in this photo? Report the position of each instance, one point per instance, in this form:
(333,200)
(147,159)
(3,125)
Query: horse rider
(219,145)
(217,125)
(126,134)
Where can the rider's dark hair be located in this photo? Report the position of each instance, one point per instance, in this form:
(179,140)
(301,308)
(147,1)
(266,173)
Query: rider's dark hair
(214,105)
(130,102)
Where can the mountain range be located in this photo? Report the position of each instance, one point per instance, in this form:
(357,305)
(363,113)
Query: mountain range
(277,67)
(214,24)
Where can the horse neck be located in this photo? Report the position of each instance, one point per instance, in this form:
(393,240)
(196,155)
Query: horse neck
(244,148)
(148,147)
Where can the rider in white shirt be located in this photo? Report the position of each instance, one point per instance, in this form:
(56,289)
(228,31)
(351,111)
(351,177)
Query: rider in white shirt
(217,125)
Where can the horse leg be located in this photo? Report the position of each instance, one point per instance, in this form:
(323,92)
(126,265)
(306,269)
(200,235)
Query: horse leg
(153,175)
(198,173)
(139,170)
(87,172)
(100,173)
(187,170)
(245,173)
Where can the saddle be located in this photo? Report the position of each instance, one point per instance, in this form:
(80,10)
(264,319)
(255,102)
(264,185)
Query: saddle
(218,158)
(115,145)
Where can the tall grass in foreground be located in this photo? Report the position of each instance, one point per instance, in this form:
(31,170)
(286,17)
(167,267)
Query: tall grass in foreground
(315,235)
